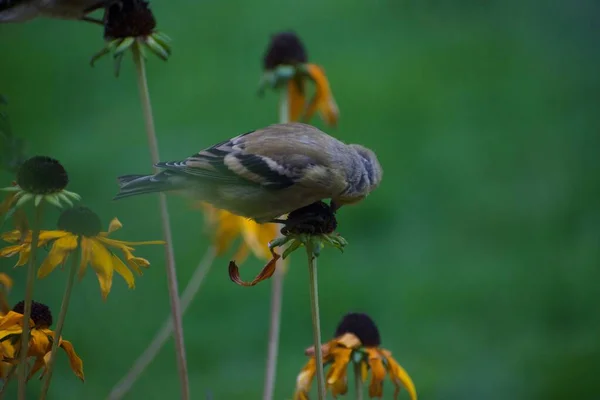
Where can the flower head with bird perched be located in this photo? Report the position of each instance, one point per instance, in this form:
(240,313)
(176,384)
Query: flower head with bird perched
(269,172)
(25,10)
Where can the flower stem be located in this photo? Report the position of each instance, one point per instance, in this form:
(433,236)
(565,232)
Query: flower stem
(358,382)
(35,236)
(161,337)
(276,289)
(140,67)
(61,322)
(314,308)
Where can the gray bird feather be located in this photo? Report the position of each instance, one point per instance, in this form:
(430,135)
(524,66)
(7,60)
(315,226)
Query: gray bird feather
(268,172)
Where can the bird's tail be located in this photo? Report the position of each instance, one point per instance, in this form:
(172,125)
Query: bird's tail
(132,185)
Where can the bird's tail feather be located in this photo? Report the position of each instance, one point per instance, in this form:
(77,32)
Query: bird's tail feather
(133,185)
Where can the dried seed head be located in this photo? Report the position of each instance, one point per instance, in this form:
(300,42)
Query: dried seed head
(285,48)
(361,326)
(42,175)
(40,313)
(80,221)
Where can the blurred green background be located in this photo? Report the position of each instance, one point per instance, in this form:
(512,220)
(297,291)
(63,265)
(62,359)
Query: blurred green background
(478,257)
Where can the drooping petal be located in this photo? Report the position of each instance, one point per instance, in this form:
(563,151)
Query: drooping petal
(40,342)
(6,281)
(86,255)
(40,363)
(45,236)
(336,377)
(101,261)
(11,319)
(304,380)
(399,376)
(296,98)
(378,373)
(267,271)
(323,100)
(74,360)
(121,243)
(10,251)
(136,262)
(58,254)
(228,228)
(114,225)
(123,271)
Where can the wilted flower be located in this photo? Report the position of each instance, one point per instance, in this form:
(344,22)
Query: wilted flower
(79,228)
(40,339)
(286,63)
(356,341)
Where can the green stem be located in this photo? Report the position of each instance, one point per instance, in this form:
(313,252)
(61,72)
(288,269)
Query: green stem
(121,388)
(314,307)
(276,289)
(35,236)
(358,389)
(61,321)
(140,67)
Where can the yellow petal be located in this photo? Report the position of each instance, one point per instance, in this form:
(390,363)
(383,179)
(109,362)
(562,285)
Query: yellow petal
(378,374)
(296,98)
(101,261)
(123,271)
(114,225)
(74,360)
(349,340)
(241,254)
(40,363)
(336,377)
(399,374)
(39,342)
(228,228)
(119,244)
(11,319)
(86,255)
(6,281)
(10,251)
(323,100)
(258,236)
(304,380)
(136,262)
(58,254)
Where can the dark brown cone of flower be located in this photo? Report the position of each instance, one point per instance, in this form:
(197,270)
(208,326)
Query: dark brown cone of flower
(361,326)
(285,48)
(128,18)
(42,175)
(40,313)
(314,219)
(80,221)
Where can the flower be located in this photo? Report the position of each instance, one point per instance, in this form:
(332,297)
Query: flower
(40,342)
(130,23)
(38,178)
(228,226)
(313,225)
(79,228)
(5,286)
(356,341)
(286,63)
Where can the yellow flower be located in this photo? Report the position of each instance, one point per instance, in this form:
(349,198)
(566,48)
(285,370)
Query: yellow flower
(40,342)
(79,228)
(357,341)
(227,227)
(286,63)
(5,286)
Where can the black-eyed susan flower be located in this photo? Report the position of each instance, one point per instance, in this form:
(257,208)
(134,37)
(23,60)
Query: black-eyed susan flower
(131,24)
(39,178)
(40,339)
(80,229)
(357,341)
(227,227)
(286,64)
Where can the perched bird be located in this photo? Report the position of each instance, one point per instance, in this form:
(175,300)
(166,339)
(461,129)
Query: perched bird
(25,10)
(266,173)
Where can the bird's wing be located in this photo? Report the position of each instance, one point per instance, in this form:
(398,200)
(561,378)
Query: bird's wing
(274,157)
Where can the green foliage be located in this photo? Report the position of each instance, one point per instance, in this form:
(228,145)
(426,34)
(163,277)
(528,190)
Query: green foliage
(478,256)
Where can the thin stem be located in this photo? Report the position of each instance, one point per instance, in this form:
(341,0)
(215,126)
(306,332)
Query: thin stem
(64,307)
(161,337)
(7,380)
(35,236)
(314,308)
(276,289)
(166,227)
(358,389)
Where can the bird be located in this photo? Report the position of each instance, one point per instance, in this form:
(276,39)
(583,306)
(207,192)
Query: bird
(25,10)
(267,173)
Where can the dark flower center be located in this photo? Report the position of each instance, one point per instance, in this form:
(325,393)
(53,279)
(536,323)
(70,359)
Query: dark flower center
(80,221)
(40,313)
(314,219)
(285,48)
(362,326)
(42,175)
(128,18)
